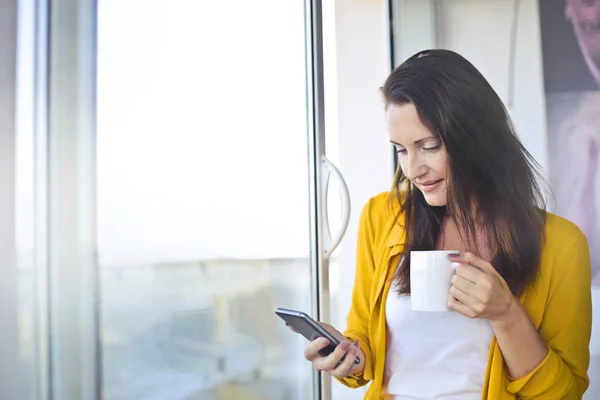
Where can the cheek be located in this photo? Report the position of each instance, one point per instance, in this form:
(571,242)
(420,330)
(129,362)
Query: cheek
(440,165)
(402,164)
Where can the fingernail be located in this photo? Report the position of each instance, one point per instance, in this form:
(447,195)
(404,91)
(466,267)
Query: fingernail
(356,344)
(345,346)
(324,341)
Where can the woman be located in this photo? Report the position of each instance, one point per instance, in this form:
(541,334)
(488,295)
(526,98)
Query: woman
(521,302)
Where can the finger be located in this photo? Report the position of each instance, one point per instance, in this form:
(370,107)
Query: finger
(473,260)
(459,295)
(311,352)
(346,366)
(325,325)
(474,282)
(463,283)
(455,305)
(332,331)
(330,362)
(469,272)
(485,289)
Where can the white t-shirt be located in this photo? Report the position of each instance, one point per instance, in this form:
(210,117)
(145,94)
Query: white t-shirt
(434,355)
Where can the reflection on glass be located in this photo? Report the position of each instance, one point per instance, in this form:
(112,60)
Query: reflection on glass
(203,210)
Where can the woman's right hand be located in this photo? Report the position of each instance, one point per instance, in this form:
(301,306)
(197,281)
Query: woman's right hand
(332,363)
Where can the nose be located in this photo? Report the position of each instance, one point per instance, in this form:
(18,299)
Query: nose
(413,166)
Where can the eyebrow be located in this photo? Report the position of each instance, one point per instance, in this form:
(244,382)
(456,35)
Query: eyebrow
(416,142)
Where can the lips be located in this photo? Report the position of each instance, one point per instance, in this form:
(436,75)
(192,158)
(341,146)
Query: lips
(429,185)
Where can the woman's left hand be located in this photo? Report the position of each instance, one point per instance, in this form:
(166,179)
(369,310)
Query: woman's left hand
(478,290)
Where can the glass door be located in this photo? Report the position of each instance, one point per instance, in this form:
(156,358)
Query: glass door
(174,181)
(165,185)
(209,135)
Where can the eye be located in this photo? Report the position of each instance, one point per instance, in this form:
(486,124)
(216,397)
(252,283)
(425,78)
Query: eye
(433,148)
(401,151)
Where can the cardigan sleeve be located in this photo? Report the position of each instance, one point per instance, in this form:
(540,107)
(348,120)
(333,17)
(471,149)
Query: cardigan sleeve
(566,329)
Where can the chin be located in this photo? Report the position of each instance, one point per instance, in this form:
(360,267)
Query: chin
(436,200)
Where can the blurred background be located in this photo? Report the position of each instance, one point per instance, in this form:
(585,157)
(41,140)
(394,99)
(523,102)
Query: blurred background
(169,176)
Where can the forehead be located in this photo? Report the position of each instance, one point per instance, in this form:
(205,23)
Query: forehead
(583,9)
(404,125)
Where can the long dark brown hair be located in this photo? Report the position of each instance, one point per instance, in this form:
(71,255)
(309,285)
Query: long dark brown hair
(488,166)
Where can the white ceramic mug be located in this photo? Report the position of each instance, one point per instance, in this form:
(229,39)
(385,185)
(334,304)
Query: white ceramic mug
(430,279)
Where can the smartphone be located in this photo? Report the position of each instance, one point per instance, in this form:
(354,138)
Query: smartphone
(310,329)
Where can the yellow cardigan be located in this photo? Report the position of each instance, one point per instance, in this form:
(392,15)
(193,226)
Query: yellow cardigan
(558,303)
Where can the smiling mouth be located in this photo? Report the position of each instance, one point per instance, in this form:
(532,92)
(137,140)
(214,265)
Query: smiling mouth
(429,186)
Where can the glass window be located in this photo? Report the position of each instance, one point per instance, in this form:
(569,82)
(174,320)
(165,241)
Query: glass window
(203,206)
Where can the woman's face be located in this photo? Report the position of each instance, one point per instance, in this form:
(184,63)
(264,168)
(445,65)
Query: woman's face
(421,155)
(585,17)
